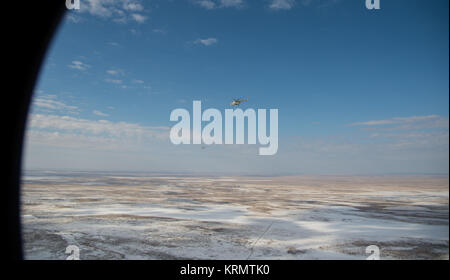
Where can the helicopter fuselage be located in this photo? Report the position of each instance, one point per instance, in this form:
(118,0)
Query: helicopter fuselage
(237,102)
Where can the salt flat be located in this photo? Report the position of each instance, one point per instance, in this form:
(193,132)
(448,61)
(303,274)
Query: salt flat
(139,216)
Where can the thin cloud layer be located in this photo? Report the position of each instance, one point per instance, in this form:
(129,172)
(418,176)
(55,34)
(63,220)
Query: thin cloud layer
(120,11)
(79,65)
(62,124)
(217,4)
(101,114)
(282,4)
(50,103)
(403,123)
(206,42)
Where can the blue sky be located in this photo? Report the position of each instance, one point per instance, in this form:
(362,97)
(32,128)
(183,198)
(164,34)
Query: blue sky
(358,91)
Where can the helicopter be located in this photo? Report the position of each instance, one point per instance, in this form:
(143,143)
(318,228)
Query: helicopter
(238,101)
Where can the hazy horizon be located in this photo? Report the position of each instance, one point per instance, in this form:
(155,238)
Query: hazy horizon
(228,174)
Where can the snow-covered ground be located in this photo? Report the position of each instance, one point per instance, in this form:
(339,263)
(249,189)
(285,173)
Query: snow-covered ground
(163,217)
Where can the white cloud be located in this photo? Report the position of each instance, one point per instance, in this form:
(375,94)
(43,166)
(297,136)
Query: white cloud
(113,81)
(101,114)
(65,140)
(65,124)
(138,81)
(139,18)
(282,4)
(79,65)
(133,6)
(49,103)
(207,4)
(97,143)
(414,122)
(206,42)
(112,72)
(82,139)
(118,10)
(115,72)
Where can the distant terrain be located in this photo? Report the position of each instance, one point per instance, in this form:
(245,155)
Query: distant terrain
(139,216)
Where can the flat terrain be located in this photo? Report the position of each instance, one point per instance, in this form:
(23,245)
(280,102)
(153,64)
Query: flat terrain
(111,216)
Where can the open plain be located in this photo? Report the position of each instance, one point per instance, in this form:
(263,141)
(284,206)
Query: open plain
(141,216)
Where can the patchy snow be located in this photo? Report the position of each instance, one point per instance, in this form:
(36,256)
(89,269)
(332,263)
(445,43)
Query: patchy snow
(205,218)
